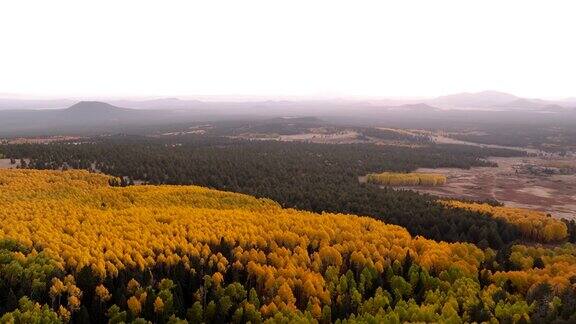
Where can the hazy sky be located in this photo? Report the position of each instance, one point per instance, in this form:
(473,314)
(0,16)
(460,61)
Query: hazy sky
(310,47)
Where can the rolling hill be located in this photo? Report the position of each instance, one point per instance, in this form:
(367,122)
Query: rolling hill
(75,248)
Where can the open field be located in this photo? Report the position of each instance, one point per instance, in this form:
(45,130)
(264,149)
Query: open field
(340,137)
(512,185)
(5,164)
(439,138)
(314,135)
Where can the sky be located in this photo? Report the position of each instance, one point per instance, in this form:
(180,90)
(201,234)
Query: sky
(287,48)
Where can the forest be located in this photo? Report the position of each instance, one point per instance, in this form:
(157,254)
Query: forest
(111,251)
(314,177)
(75,248)
(532,224)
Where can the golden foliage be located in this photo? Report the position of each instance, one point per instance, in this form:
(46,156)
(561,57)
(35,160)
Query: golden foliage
(559,266)
(73,303)
(158,305)
(134,305)
(102,293)
(532,224)
(64,314)
(78,220)
(406,179)
(57,288)
(133,286)
(291,259)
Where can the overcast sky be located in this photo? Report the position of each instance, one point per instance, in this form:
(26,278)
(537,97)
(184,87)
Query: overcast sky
(310,47)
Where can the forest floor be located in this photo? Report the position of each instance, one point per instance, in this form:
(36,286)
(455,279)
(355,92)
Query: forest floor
(510,184)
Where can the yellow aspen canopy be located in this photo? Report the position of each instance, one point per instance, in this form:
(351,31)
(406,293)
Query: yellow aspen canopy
(161,252)
(406,179)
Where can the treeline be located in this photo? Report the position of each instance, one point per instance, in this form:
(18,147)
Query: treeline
(533,225)
(406,179)
(74,249)
(315,177)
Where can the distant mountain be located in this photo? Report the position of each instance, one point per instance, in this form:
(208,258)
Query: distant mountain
(484,99)
(98,110)
(125,115)
(84,116)
(102,114)
(501,101)
(94,106)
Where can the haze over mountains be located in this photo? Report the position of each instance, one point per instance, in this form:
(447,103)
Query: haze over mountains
(498,101)
(18,116)
(484,99)
(480,99)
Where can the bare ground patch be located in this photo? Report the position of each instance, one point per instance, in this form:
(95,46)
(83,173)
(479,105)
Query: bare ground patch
(5,164)
(554,194)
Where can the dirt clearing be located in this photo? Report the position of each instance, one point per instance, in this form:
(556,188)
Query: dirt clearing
(512,185)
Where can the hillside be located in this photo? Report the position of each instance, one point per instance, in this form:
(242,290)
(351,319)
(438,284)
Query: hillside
(95,107)
(314,177)
(82,248)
